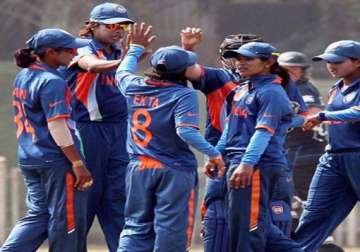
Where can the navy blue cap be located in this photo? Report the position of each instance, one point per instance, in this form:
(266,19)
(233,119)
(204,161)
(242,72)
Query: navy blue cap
(54,38)
(252,50)
(173,59)
(340,51)
(109,13)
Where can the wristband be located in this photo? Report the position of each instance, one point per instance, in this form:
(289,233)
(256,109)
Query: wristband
(321,116)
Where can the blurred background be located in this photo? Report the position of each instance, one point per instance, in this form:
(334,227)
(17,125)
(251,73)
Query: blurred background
(304,25)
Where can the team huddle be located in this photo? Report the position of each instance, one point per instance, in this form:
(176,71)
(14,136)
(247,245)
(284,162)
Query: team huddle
(97,139)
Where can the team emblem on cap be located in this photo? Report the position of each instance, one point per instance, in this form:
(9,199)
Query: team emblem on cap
(120,9)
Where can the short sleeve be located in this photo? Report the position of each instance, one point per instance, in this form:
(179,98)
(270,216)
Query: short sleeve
(300,100)
(87,50)
(213,79)
(187,111)
(270,109)
(295,95)
(54,98)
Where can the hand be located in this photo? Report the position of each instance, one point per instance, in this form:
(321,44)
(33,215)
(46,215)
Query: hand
(311,122)
(242,176)
(83,177)
(124,45)
(141,34)
(190,37)
(215,167)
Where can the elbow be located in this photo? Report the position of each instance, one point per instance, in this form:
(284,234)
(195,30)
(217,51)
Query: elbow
(91,68)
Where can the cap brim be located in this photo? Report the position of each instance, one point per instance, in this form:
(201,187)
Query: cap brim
(113,20)
(243,52)
(293,64)
(329,57)
(78,43)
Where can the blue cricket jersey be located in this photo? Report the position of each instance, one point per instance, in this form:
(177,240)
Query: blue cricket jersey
(95,96)
(343,135)
(40,95)
(294,95)
(156,109)
(217,85)
(263,103)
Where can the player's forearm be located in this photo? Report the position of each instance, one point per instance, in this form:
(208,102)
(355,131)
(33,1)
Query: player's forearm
(193,137)
(94,65)
(220,146)
(297,121)
(63,138)
(257,146)
(346,115)
(129,63)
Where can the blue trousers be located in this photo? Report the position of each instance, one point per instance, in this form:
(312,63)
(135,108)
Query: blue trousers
(249,212)
(106,157)
(56,211)
(215,227)
(160,208)
(277,241)
(281,202)
(250,224)
(333,192)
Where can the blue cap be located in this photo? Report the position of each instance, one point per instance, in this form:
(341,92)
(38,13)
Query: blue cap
(109,13)
(54,38)
(340,51)
(252,50)
(174,59)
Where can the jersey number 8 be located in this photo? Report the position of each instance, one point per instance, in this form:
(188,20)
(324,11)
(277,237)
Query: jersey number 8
(139,126)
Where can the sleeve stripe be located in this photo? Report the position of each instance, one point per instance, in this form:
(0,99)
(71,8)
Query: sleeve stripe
(263,126)
(63,116)
(188,125)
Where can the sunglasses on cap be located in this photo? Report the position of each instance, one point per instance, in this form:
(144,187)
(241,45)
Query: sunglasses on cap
(114,27)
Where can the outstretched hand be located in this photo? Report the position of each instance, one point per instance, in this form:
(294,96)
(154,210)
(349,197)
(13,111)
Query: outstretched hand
(190,37)
(141,34)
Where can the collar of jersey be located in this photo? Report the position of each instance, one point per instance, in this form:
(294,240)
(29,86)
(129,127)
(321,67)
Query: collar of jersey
(260,80)
(45,68)
(160,83)
(99,46)
(354,85)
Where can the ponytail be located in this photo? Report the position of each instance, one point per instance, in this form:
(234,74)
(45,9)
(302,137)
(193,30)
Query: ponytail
(282,73)
(24,57)
(87,30)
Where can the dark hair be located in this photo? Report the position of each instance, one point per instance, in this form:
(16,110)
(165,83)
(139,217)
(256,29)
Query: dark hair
(24,57)
(87,29)
(281,72)
(157,74)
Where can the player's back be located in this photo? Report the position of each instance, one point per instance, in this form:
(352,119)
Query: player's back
(156,109)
